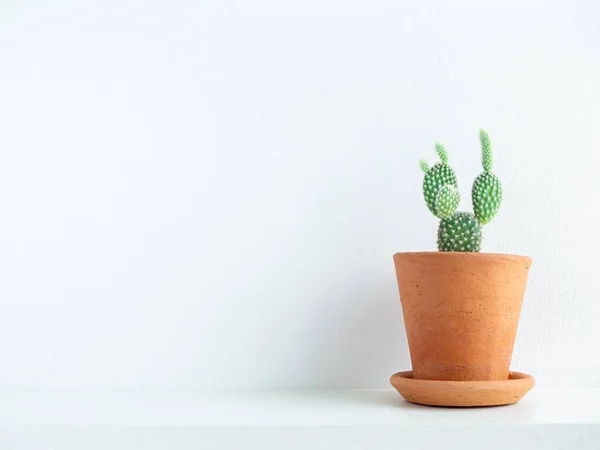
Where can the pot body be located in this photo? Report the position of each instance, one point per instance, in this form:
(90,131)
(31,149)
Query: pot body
(461,312)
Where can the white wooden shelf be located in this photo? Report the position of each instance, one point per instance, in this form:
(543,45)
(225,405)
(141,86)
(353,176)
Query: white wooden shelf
(547,418)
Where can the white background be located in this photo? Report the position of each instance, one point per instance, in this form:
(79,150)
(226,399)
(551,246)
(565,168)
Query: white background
(208,194)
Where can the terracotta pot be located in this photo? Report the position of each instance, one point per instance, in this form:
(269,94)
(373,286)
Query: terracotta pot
(461,312)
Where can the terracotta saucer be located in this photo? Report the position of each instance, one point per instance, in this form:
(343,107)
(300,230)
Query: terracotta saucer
(463,393)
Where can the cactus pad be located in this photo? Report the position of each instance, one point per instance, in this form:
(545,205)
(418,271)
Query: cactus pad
(487,196)
(442,153)
(446,201)
(460,233)
(486,151)
(438,176)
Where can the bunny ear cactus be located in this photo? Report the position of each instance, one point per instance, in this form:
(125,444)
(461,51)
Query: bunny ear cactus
(440,187)
(487,190)
(461,231)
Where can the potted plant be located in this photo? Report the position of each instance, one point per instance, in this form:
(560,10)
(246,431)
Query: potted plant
(461,307)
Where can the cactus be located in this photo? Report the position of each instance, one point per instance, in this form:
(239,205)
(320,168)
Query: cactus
(487,191)
(461,231)
(446,201)
(437,185)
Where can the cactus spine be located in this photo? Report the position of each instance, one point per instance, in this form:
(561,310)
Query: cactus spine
(461,231)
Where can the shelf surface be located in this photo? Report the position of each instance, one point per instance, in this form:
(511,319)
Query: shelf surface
(282,408)
(295,419)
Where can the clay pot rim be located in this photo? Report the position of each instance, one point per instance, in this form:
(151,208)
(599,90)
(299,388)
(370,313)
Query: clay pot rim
(462,255)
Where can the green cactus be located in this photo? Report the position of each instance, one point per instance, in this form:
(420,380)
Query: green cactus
(437,182)
(446,201)
(487,190)
(461,231)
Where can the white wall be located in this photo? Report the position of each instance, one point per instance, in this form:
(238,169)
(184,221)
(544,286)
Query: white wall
(210,193)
